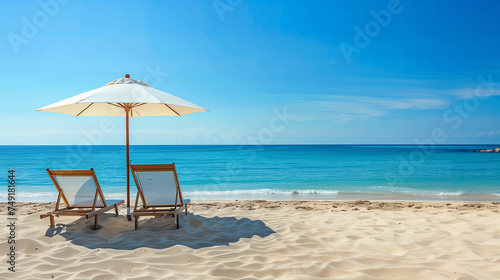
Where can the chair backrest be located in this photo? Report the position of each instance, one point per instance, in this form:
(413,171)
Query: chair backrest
(157,184)
(77,188)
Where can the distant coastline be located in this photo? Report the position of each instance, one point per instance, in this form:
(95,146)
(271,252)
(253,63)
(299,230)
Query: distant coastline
(496,150)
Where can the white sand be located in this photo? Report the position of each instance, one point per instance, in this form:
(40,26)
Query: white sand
(265,240)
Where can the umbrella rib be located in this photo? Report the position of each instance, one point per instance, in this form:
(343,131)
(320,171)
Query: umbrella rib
(171,109)
(85,109)
(117,105)
(135,105)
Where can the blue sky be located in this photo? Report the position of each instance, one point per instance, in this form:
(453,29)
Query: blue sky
(270,72)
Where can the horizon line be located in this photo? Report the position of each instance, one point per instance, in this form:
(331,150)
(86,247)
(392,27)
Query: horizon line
(280,144)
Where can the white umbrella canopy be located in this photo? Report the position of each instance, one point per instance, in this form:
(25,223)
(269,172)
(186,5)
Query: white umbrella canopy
(111,100)
(124,97)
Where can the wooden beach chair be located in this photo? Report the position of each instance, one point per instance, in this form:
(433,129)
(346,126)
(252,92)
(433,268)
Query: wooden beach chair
(159,190)
(81,193)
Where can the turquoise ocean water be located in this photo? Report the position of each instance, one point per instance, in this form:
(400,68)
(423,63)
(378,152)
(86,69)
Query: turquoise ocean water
(277,172)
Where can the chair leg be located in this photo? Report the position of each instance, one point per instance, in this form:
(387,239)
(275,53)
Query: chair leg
(176,217)
(52,223)
(96,225)
(186,209)
(116,210)
(136,222)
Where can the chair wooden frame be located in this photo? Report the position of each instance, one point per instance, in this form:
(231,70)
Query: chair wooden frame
(157,210)
(87,211)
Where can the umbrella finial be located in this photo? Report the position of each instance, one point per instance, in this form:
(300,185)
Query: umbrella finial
(127,76)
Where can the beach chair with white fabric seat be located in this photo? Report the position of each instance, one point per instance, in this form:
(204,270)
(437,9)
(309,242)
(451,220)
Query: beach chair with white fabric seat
(159,192)
(81,193)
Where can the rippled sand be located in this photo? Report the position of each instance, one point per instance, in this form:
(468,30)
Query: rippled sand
(265,240)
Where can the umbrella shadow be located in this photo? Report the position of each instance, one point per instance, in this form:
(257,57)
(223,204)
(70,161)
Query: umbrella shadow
(159,233)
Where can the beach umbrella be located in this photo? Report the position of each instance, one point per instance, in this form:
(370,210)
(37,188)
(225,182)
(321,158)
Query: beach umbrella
(127,98)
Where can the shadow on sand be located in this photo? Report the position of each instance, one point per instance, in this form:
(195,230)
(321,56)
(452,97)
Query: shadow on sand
(159,233)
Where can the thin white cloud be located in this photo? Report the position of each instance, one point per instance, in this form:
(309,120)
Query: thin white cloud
(342,108)
(421,104)
(373,98)
(372,102)
(472,92)
(479,134)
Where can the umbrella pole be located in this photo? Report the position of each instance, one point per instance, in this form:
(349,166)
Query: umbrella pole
(127,111)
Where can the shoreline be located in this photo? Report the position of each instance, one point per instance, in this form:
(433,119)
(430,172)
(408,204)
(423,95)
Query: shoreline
(302,197)
(316,205)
